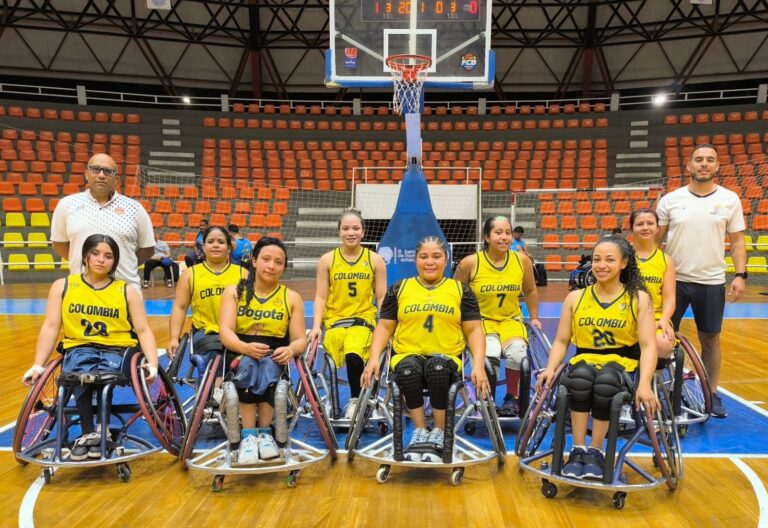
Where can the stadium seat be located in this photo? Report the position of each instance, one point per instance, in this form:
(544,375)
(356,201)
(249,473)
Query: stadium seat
(13,240)
(44,262)
(553,263)
(37,240)
(18,262)
(757,265)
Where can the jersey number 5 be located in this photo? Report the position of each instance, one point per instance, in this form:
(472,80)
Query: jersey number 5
(93,329)
(602,339)
(352,289)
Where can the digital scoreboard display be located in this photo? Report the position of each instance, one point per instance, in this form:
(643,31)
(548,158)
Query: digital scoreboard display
(426,10)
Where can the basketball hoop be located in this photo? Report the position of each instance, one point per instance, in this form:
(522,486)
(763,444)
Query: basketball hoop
(408,75)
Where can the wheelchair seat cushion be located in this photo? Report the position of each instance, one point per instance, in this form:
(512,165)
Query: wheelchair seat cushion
(93,360)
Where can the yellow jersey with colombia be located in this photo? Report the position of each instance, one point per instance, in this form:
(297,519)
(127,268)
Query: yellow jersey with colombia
(429,317)
(92,316)
(351,288)
(207,287)
(652,270)
(604,332)
(498,289)
(265,320)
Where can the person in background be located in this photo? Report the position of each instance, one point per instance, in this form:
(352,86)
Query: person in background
(197,256)
(518,244)
(162,257)
(241,247)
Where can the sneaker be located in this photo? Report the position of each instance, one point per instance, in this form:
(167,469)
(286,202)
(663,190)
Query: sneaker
(594,464)
(267,447)
(435,452)
(419,441)
(574,468)
(349,412)
(718,409)
(510,406)
(229,407)
(248,454)
(145,284)
(81,449)
(626,414)
(169,284)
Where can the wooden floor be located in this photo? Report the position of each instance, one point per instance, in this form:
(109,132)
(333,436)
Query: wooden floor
(716,491)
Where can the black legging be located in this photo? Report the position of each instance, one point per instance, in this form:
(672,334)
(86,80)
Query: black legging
(151,264)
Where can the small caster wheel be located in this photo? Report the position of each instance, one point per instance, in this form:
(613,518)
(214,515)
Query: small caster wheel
(124,472)
(682,431)
(383,429)
(382,474)
(292,479)
(619,499)
(548,489)
(457,476)
(544,466)
(47,475)
(217,484)
(470,428)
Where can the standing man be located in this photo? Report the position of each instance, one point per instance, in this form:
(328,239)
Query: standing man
(101,210)
(697,218)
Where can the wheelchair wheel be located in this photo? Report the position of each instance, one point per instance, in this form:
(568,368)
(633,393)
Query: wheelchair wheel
(174,367)
(318,410)
(160,406)
(488,411)
(696,394)
(665,444)
(37,417)
(204,391)
(538,418)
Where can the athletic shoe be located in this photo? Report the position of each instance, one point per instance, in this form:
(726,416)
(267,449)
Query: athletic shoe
(349,412)
(145,284)
(169,284)
(575,466)
(81,449)
(718,408)
(435,451)
(510,406)
(594,464)
(419,441)
(267,447)
(248,454)
(230,409)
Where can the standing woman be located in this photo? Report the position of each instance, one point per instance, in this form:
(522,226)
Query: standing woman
(433,319)
(498,276)
(658,273)
(100,318)
(611,325)
(263,321)
(349,279)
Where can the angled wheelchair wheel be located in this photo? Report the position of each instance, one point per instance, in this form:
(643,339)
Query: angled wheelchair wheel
(538,347)
(318,410)
(488,410)
(360,419)
(665,444)
(203,394)
(37,417)
(696,394)
(538,418)
(160,406)
(176,365)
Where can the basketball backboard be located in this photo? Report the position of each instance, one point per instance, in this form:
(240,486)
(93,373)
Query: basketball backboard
(454,34)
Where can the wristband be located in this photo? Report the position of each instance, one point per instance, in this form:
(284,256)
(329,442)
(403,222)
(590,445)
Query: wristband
(37,369)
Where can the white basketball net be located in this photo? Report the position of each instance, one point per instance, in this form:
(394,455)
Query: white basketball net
(408,75)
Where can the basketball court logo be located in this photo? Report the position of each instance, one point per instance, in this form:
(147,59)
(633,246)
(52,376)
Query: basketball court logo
(350,58)
(469,61)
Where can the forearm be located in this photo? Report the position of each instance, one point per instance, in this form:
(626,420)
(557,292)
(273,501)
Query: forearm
(739,255)
(318,312)
(61,248)
(46,342)
(148,345)
(176,325)
(532,303)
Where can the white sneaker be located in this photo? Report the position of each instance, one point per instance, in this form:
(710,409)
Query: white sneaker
(418,442)
(435,450)
(267,447)
(249,451)
(349,413)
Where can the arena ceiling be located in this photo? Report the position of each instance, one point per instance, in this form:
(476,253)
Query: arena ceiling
(555,47)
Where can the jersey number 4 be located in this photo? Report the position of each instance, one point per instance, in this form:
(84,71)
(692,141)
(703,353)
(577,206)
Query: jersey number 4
(429,323)
(602,339)
(93,329)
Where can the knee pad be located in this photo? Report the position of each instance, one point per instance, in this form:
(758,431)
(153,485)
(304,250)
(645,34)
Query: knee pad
(409,375)
(514,353)
(439,373)
(580,382)
(492,346)
(609,381)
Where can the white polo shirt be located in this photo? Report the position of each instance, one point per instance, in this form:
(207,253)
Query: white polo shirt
(79,216)
(697,228)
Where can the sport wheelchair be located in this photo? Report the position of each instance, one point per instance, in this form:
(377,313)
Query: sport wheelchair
(48,419)
(218,459)
(540,447)
(458,452)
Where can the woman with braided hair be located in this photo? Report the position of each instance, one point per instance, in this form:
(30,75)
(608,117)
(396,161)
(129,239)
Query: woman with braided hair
(611,324)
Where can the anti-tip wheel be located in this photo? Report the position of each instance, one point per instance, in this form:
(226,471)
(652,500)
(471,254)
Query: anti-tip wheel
(470,428)
(124,472)
(382,474)
(548,489)
(47,475)
(217,484)
(619,500)
(292,479)
(383,429)
(457,476)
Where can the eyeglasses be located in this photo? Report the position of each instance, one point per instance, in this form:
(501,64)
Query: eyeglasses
(95,169)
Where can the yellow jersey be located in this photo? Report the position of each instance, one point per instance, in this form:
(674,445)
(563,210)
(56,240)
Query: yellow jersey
(265,320)
(92,316)
(351,288)
(206,287)
(498,289)
(652,270)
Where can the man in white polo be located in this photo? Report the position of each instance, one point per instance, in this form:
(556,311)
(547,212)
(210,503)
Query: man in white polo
(102,210)
(697,217)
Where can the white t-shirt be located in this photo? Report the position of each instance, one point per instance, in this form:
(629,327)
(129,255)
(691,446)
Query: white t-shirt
(697,228)
(79,216)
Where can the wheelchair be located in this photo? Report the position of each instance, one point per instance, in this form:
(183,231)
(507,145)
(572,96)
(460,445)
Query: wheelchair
(218,459)
(540,446)
(48,419)
(458,452)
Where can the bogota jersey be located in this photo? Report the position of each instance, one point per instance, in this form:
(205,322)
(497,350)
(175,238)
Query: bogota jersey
(207,287)
(610,329)
(351,288)
(498,289)
(96,317)
(652,270)
(265,320)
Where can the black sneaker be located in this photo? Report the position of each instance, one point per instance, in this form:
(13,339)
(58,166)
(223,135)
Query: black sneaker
(81,449)
(575,466)
(510,407)
(718,409)
(594,464)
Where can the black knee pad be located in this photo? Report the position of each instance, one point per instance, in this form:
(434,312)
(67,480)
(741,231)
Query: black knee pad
(439,372)
(580,381)
(609,382)
(409,375)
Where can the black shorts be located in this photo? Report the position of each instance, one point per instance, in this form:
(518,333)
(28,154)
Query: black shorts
(707,302)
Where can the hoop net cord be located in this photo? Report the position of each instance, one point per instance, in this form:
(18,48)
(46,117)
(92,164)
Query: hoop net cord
(408,75)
